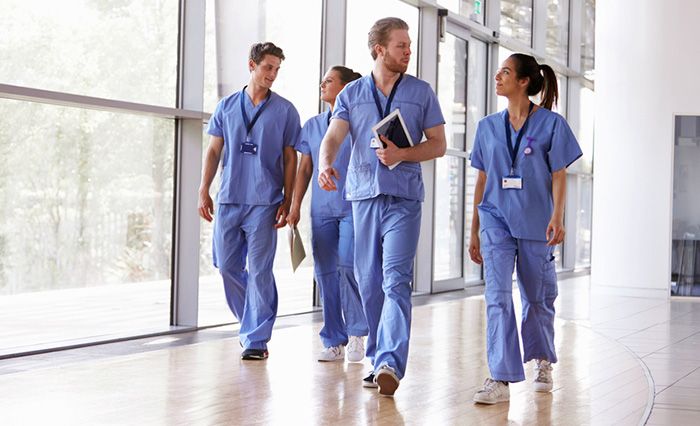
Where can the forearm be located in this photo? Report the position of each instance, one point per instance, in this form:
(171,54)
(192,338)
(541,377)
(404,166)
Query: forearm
(478,197)
(335,135)
(211,164)
(434,146)
(290,171)
(301,183)
(559,193)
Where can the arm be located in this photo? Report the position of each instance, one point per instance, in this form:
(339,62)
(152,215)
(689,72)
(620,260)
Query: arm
(290,171)
(211,164)
(433,147)
(306,170)
(474,242)
(555,229)
(335,135)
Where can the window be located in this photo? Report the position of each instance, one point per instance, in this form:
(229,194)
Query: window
(472,9)
(588,39)
(516,20)
(557,34)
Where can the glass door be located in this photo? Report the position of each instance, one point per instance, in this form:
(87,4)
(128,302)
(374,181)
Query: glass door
(462,89)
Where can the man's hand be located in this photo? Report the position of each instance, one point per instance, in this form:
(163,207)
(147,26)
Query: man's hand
(389,155)
(475,249)
(293,217)
(281,216)
(205,206)
(325,179)
(555,229)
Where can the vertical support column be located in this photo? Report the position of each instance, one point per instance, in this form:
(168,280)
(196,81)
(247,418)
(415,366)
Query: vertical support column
(427,70)
(575,18)
(185,269)
(333,21)
(539,26)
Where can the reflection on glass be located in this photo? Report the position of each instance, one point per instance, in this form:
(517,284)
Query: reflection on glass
(449,217)
(126,50)
(557,34)
(588,39)
(85,220)
(452,89)
(583,222)
(585,130)
(297,81)
(472,9)
(361,15)
(516,20)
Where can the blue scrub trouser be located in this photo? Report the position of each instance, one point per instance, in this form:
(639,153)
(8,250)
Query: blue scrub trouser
(537,280)
(386,238)
(242,231)
(332,240)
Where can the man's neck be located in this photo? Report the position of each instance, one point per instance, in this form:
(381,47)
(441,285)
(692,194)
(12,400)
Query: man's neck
(384,79)
(256,92)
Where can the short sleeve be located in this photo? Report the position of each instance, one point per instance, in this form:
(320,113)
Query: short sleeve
(342,105)
(564,149)
(292,127)
(432,115)
(302,144)
(215,126)
(476,158)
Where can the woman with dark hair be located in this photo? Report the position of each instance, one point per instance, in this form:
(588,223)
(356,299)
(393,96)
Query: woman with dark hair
(332,235)
(522,154)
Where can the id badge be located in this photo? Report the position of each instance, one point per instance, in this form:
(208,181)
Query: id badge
(512,182)
(249,148)
(374,143)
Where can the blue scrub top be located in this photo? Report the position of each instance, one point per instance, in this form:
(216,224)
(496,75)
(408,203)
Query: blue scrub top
(255,179)
(367,177)
(527,211)
(325,203)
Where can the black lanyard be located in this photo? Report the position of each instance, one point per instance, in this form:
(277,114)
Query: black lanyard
(249,126)
(328,119)
(387,109)
(513,151)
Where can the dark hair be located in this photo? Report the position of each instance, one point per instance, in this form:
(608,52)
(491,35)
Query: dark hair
(259,50)
(542,78)
(379,33)
(346,74)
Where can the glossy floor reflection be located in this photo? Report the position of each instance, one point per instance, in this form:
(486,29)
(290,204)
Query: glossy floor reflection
(607,346)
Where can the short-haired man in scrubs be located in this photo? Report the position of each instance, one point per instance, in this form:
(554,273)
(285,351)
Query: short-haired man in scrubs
(386,203)
(257,130)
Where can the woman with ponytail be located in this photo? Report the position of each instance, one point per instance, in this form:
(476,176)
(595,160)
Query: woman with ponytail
(522,154)
(332,235)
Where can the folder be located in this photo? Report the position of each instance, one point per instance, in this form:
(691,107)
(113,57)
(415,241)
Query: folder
(393,128)
(296,247)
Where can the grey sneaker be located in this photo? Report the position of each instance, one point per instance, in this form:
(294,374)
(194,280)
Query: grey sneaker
(543,376)
(368,382)
(334,353)
(492,392)
(355,348)
(387,380)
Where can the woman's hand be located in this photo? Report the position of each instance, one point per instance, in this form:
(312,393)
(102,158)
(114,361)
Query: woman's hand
(475,249)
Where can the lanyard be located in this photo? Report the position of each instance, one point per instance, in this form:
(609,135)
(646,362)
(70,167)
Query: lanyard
(387,109)
(328,119)
(249,126)
(513,151)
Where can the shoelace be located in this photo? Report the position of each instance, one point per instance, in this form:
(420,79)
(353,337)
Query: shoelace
(542,369)
(489,385)
(335,350)
(353,344)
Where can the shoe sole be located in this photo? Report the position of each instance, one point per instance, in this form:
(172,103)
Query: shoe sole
(543,390)
(369,385)
(489,402)
(355,359)
(331,360)
(387,384)
(254,357)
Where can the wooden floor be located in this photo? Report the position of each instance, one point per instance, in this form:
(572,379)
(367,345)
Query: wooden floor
(605,375)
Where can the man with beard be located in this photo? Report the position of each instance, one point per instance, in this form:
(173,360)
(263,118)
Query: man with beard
(386,203)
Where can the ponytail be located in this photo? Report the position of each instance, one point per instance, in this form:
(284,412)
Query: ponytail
(542,79)
(346,74)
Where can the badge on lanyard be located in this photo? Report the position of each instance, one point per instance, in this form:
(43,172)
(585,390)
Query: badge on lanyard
(374,143)
(512,181)
(249,147)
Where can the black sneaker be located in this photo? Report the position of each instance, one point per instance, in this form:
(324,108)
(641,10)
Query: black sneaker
(254,354)
(368,382)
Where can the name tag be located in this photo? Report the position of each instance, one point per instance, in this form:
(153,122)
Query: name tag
(374,143)
(512,182)
(249,148)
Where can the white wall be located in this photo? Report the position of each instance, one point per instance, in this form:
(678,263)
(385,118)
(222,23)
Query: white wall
(646,70)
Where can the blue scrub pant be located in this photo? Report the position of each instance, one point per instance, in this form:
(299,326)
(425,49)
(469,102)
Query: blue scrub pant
(537,281)
(241,231)
(332,240)
(386,238)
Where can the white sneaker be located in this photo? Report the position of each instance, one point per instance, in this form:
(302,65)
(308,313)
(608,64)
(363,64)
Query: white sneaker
(492,392)
(543,376)
(334,353)
(387,380)
(355,348)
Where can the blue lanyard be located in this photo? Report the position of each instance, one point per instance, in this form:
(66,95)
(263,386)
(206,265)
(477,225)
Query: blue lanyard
(387,109)
(328,119)
(513,151)
(249,126)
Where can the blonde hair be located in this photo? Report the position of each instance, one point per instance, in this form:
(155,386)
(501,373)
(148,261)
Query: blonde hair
(379,33)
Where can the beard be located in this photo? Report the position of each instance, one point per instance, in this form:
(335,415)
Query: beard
(393,64)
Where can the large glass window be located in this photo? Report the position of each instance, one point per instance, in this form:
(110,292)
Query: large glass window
(122,49)
(85,223)
(516,20)
(449,218)
(557,34)
(472,9)
(583,221)
(362,14)
(585,130)
(226,51)
(588,39)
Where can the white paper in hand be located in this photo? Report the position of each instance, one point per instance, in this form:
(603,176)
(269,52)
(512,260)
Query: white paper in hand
(296,247)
